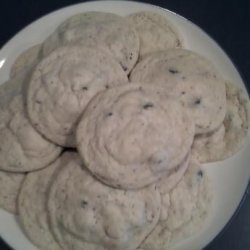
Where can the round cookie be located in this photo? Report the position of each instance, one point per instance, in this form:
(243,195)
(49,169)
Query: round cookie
(10,184)
(24,149)
(187,207)
(61,86)
(32,204)
(230,137)
(98,28)
(155,32)
(86,214)
(129,136)
(192,79)
(27,58)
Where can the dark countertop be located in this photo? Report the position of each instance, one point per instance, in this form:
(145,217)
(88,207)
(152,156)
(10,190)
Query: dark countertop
(226,21)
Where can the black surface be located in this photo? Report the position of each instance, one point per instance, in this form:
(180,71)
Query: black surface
(226,21)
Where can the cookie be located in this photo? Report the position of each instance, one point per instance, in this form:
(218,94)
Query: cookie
(28,57)
(86,214)
(187,207)
(231,136)
(10,184)
(61,86)
(129,136)
(192,79)
(32,204)
(24,149)
(155,31)
(98,28)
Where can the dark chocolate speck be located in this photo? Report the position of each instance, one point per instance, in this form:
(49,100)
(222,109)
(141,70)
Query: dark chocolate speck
(148,105)
(173,71)
(124,68)
(84,203)
(200,173)
(197,101)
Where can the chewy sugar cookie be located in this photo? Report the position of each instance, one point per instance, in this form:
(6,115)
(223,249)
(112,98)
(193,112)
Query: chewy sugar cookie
(98,28)
(230,137)
(186,208)
(129,136)
(192,79)
(61,86)
(32,204)
(24,149)
(155,32)
(86,214)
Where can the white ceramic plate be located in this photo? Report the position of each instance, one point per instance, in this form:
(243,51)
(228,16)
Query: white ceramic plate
(229,178)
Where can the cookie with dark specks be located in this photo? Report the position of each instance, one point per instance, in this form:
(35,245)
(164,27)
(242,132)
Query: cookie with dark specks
(155,31)
(192,79)
(231,136)
(32,204)
(186,209)
(24,149)
(130,136)
(98,28)
(86,214)
(61,86)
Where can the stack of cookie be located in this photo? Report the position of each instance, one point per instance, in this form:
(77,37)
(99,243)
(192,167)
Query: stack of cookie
(103,128)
